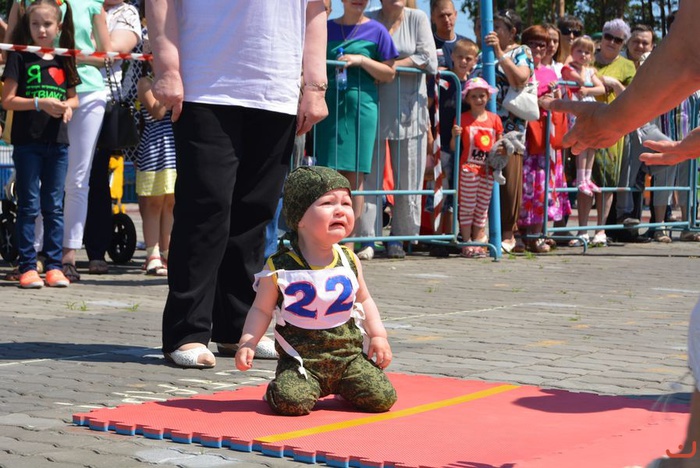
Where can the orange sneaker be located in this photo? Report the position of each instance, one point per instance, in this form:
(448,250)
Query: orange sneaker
(30,280)
(56,279)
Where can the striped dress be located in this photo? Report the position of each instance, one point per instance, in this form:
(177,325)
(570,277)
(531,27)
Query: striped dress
(155,157)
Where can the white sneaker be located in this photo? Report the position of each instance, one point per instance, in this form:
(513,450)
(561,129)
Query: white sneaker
(366,253)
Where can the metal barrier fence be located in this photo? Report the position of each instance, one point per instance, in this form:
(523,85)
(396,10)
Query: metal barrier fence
(678,125)
(688,181)
(373,184)
(401,143)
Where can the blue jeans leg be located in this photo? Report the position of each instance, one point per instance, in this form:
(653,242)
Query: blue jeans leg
(271,239)
(40,172)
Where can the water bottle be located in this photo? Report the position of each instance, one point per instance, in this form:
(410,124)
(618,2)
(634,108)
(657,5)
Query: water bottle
(341,73)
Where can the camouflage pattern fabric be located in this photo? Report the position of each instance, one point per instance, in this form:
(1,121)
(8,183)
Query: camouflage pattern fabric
(334,362)
(305,185)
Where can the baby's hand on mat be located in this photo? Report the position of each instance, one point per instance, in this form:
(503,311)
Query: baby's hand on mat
(244,357)
(380,350)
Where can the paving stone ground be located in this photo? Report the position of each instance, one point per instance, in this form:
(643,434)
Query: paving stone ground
(612,321)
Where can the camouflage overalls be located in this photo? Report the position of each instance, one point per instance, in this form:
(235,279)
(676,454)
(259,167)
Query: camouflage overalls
(333,358)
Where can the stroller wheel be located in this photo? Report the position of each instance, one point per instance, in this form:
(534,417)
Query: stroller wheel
(123,244)
(8,240)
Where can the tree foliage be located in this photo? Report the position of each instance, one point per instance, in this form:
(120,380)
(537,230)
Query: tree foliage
(593,13)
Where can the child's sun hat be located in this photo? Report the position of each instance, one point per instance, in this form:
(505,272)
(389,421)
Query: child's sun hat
(304,186)
(478,83)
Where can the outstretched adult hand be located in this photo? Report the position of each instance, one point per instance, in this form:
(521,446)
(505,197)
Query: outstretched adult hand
(672,152)
(168,89)
(591,129)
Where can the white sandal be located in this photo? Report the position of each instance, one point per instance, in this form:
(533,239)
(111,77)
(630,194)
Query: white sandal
(155,267)
(189,358)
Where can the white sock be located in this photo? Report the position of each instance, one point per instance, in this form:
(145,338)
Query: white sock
(580,176)
(587,174)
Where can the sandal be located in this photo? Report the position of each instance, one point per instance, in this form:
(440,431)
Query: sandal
(661,236)
(690,236)
(189,358)
(155,267)
(599,240)
(579,241)
(519,246)
(538,246)
(473,252)
(13,275)
(507,246)
(98,267)
(71,272)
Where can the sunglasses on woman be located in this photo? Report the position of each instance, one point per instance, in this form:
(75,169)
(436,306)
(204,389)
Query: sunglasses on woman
(567,32)
(615,39)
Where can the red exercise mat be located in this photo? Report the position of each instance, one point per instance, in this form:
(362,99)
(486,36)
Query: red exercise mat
(435,422)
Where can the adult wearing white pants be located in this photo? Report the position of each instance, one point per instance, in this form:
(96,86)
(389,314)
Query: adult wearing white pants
(403,121)
(90,22)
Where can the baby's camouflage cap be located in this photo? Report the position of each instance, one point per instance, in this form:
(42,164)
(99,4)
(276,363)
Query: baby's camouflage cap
(304,186)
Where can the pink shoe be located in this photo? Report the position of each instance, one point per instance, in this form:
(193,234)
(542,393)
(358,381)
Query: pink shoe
(593,187)
(584,188)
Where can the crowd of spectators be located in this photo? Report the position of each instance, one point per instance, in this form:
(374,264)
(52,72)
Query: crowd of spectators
(607,181)
(381,132)
(112,25)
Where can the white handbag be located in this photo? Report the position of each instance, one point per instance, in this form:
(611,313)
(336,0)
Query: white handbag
(522,102)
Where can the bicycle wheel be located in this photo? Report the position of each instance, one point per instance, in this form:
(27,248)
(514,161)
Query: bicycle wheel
(123,244)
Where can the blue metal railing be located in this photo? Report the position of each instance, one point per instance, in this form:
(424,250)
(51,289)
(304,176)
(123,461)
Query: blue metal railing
(692,188)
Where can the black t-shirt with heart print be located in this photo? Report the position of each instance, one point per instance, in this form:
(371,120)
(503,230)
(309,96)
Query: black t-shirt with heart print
(37,77)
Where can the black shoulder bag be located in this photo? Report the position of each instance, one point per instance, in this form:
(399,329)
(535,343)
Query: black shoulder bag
(119,129)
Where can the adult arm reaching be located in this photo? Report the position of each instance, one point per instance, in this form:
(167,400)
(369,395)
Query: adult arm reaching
(669,75)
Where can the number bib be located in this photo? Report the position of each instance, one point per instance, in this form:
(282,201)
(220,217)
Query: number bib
(317,299)
(481,141)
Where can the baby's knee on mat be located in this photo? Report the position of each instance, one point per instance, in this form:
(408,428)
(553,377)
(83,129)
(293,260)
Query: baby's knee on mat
(290,401)
(378,399)
(380,404)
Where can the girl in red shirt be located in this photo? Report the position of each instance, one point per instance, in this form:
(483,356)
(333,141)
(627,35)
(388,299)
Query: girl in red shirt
(479,129)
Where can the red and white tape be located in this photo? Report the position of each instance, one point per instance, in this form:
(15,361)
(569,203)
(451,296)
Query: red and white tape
(75,52)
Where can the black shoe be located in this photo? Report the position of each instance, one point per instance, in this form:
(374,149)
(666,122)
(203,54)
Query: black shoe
(640,240)
(629,221)
(439,251)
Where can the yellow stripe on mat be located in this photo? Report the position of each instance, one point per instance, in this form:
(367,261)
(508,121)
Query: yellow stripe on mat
(386,416)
